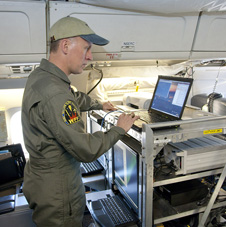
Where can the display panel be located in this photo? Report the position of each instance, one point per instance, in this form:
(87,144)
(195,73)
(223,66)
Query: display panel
(125,168)
(170,96)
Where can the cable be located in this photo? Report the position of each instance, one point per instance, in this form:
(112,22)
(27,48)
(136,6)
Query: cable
(163,168)
(101,77)
(213,217)
(212,96)
(192,71)
(102,122)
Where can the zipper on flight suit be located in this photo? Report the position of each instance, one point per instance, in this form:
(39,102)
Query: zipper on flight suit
(70,210)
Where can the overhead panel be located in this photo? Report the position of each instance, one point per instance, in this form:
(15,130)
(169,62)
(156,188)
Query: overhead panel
(23,31)
(210,39)
(133,35)
(163,6)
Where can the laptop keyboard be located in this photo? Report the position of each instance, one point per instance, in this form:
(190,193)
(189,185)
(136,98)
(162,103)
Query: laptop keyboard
(112,211)
(91,167)
(151,118)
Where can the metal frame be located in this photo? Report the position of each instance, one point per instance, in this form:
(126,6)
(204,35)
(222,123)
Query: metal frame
(152,143)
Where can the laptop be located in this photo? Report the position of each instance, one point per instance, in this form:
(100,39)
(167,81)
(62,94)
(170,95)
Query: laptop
(121,207)
(168,100)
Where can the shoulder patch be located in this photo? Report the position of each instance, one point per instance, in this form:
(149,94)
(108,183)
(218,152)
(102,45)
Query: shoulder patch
(70,114)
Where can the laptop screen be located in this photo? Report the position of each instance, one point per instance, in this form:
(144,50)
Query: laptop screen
(170,96)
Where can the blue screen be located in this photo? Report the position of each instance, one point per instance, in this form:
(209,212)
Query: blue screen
(170,96)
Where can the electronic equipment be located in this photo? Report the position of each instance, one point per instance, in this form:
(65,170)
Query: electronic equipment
(221,136)
(197,154)
(112,117)
(12,165)
(137,100)
(126,178)
(89,168)
(184,192)
(125,167)
(112,211)
(7,204)
(168,100)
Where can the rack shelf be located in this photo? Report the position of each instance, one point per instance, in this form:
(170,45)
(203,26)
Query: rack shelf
(195,125)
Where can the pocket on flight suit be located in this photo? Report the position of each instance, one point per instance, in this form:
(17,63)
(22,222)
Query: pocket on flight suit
(75,204)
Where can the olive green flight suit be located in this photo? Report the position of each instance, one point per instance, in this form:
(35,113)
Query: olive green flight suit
(56,141)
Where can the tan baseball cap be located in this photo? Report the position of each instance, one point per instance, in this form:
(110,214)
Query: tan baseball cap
(68,27)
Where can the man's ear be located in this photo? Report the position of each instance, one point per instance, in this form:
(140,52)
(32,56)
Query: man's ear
(64,45)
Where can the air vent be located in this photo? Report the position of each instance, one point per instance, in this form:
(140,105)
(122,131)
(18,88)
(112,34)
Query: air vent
(22,68)
(16,69)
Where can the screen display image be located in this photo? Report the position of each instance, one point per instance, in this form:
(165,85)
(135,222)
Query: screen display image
(170,97)
(126,172)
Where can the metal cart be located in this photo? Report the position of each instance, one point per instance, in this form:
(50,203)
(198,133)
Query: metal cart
(195,124)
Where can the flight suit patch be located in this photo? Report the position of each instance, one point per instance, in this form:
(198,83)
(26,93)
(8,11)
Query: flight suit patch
(70,114)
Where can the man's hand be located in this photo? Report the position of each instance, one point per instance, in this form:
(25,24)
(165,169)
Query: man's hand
(108,106)
(126,121)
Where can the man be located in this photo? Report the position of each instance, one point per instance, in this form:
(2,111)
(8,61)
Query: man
(54,131)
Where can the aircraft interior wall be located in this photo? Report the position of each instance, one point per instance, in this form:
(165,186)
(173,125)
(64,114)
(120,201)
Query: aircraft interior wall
(209,79)
(206,80)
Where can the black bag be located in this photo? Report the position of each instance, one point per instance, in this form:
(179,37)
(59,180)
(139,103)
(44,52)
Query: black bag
(12,167)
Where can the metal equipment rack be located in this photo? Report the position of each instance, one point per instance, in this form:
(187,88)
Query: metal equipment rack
(194,125)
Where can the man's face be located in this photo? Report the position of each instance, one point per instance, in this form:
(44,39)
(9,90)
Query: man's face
(79,53)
